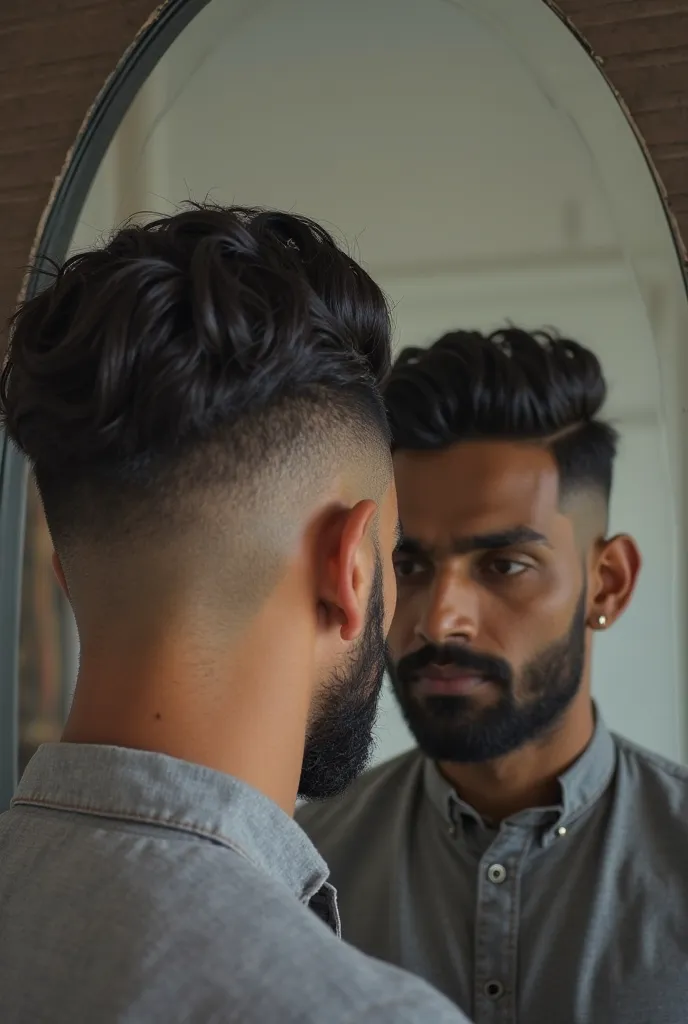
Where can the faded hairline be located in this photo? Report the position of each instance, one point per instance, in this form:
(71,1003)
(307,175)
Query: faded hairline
(233,523)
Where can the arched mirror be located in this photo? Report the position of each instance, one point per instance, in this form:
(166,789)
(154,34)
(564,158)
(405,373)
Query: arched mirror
(476,160)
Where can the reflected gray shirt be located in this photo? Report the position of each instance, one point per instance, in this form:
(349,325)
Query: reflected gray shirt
(574,914)
(138,888)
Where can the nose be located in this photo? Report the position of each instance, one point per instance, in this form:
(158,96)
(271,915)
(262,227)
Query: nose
(450,610)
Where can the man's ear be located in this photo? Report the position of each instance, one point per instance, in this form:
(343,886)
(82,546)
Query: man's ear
(59,574)
(347,568)
(617,567)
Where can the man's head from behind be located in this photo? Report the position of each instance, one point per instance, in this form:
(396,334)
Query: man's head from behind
(504,474)
(200,403)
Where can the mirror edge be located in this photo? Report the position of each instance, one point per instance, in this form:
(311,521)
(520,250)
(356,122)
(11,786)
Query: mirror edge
(51,242)
(52,238)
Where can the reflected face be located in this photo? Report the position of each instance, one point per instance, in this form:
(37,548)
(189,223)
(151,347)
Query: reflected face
(487,648)
(340,740)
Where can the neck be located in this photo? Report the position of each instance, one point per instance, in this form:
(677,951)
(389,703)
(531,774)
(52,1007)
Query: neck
(241,709)
(528,777)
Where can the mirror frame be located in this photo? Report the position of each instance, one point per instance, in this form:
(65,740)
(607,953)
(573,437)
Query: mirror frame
(57,118)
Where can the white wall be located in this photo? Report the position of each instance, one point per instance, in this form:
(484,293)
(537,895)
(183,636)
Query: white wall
(459,181)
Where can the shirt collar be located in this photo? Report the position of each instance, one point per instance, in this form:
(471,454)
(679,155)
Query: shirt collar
(150,788)
(581,786)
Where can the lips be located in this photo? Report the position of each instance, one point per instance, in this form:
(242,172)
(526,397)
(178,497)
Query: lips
(447,681)
(446,672)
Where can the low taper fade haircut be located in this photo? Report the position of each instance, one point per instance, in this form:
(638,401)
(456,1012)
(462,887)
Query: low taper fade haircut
(215,349)
(508,385)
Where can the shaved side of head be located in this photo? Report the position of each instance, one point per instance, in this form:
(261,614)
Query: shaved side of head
(227,515)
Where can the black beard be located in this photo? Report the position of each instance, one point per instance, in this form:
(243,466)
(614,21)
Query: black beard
(340,741)
(454,729)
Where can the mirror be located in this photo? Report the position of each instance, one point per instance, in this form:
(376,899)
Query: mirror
(480,167)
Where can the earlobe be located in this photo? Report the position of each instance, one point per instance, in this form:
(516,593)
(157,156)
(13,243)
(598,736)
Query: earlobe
(617,570)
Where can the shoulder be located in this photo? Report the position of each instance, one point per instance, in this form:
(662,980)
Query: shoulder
(380,790)
(231,942)
(277,961)
(660,784)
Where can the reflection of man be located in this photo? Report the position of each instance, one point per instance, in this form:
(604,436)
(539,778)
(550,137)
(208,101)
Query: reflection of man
(525,861)
(199,400)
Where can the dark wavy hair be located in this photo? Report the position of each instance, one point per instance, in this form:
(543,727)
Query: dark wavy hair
(508,385)
(192,329)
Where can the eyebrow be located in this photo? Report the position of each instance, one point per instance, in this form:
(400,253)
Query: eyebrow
(480,541)
(398,535)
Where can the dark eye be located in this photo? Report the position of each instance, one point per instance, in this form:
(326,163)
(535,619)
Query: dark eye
(507,567)
(405,566)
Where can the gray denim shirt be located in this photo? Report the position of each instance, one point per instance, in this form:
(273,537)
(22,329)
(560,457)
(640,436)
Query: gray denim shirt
(138,888)
(572,914)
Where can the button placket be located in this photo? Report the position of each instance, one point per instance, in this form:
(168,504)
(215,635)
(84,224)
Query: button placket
(496,932)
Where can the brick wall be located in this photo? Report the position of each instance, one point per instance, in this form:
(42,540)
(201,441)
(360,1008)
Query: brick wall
(56,54)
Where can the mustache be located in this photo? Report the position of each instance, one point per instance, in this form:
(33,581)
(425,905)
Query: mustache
(496,670)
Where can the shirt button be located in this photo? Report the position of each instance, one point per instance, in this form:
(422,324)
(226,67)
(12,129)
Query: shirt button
(494,990)
(496,873)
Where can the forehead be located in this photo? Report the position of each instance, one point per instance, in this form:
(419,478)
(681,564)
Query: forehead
(475,488)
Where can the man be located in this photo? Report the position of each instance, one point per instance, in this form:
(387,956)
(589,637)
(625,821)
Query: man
(524,860)
(199,400)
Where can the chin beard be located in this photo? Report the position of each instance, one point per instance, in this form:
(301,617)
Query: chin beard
(455,729)
(340,742)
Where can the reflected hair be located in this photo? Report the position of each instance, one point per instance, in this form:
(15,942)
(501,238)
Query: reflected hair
(508,385)
(189,350)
